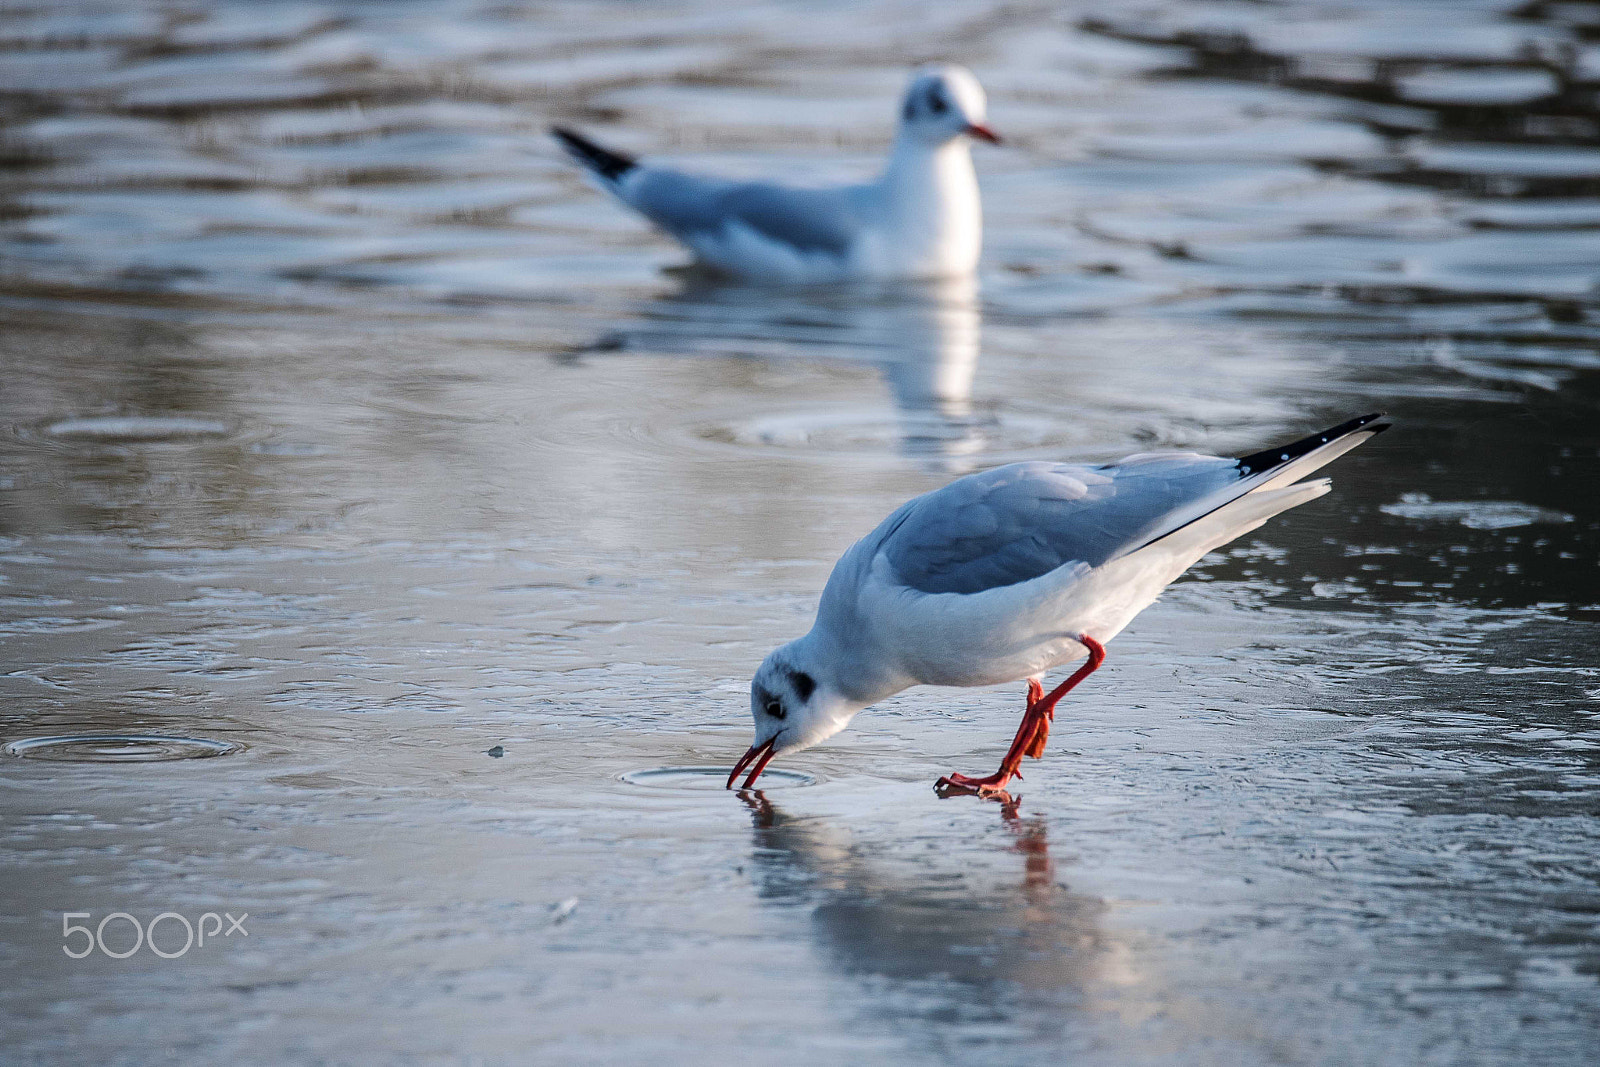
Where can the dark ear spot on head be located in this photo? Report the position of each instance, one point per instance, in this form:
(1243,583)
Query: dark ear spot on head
(910,110)
(804,685)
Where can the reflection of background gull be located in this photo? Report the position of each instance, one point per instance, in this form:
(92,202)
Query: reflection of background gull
(1027,955)
(932,378)
(923,336)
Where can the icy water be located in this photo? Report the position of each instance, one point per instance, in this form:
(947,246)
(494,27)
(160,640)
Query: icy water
(353,443)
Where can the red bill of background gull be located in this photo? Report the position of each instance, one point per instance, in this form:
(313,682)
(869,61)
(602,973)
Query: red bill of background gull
(1004,575)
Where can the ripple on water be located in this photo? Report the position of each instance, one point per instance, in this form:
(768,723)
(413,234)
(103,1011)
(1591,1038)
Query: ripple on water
(880,432)
(709,779)
(137,428)
(118,748)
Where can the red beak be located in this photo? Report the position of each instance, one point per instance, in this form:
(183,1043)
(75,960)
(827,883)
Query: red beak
(983,133)
(765,751)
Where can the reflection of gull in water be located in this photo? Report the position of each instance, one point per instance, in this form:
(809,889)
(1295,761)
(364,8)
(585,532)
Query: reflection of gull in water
(924,337)
(952,949)
(932,381)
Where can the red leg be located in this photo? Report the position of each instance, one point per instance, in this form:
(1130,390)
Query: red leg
(1097,656)
(1034,730)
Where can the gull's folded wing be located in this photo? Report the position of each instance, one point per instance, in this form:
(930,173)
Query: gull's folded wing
(1019,522)
(690,206)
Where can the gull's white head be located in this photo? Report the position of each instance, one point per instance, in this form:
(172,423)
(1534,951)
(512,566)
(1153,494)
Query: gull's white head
(794,706)
(942,103)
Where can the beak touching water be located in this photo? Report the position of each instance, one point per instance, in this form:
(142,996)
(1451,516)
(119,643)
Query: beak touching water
(762,755)
(983,133)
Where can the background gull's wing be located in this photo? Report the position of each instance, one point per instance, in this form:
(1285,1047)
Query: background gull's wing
(687,206)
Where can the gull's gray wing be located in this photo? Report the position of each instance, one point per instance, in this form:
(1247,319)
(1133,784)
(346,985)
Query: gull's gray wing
(1024,520)
(1019,522)
(687,205)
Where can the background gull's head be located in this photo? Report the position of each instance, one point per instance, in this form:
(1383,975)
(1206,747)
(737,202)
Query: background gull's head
(943,102)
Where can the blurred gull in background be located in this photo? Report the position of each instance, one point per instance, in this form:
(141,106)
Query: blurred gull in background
(920,219)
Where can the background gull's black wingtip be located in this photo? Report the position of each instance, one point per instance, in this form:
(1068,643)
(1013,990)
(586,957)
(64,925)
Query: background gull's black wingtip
(1268,458)
(604,162)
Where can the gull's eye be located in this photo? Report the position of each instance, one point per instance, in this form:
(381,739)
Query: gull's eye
(936,103)
(774,707)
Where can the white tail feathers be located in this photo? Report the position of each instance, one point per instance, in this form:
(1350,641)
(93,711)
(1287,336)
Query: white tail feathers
(1236,518)
(1270,476)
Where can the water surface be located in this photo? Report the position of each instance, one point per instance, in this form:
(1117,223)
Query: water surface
(343,423)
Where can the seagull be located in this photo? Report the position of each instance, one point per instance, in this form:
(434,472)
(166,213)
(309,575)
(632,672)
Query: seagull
(1006,574)
(920,219)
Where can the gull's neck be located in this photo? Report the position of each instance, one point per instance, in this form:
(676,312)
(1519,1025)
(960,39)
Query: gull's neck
(933,213)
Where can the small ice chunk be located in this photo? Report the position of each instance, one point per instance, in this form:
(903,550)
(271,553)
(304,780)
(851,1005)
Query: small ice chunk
(1474,514)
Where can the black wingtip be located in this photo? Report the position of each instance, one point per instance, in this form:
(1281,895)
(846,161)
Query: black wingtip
(604,162)
(1268,458)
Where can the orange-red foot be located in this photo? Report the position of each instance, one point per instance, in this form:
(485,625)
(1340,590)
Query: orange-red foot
(1008,803)
(961,784)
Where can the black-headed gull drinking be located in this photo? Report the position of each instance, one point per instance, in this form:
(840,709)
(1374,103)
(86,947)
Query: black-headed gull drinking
(920,219)
(1006,574)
